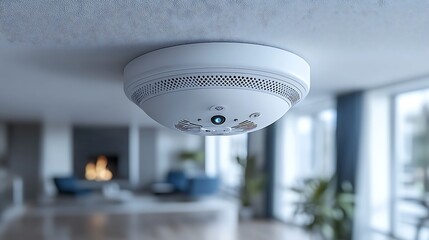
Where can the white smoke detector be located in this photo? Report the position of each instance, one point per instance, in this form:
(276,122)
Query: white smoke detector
(217,88)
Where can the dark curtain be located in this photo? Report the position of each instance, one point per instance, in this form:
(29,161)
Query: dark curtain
(349,125)
(270,150)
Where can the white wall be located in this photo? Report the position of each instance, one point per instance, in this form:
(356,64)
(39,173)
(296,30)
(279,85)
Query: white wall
(134,156)
(170,144)
(56,154)
(159,149)
(147,155)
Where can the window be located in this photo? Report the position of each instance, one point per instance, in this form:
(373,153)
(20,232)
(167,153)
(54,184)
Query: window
(411,151)
(221,152)
(308,144)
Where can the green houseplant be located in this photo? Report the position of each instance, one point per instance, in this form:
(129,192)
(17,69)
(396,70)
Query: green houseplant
(327,211)
(195,156)
(420,151)
(190,161)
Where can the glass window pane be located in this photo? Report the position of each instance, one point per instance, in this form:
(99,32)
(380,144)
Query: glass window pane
(221,161)
(309,152)
(411,161)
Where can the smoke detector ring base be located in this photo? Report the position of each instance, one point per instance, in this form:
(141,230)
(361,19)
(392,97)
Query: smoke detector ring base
(184,87)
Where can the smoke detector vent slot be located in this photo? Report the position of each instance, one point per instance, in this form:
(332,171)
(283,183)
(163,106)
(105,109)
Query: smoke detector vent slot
(161,86)
(245,126)
(187,126)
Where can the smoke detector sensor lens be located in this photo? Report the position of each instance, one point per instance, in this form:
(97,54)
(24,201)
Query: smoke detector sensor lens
(179,84)
(218,120)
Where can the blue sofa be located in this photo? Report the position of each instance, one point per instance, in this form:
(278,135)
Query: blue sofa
(196,186)
(69,186)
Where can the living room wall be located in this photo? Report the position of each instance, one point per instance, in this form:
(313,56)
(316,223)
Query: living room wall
(24,156)
(56,154)
(159,149)
(47,149)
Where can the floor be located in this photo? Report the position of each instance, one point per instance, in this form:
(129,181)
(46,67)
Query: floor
(99,226)
(190,221)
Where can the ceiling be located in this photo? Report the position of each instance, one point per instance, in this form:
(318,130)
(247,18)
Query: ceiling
(63,60)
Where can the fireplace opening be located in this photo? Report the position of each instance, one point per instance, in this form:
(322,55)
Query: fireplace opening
(101,168)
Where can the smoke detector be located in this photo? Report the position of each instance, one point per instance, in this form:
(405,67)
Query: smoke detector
(217,88)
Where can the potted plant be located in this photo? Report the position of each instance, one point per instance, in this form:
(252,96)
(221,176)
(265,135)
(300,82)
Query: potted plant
(420,152)
(253,185)
(196,156)
(190,160)
(327,210)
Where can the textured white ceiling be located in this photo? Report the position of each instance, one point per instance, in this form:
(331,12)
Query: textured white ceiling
(62,60)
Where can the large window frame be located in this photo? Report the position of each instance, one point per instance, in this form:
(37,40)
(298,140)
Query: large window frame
(288,127)
(397,200)
(378,173)
(221,152)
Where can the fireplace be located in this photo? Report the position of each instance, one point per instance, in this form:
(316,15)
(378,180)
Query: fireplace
(100,154)
(101,168)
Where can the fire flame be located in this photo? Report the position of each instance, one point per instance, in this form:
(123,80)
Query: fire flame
(98,171)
